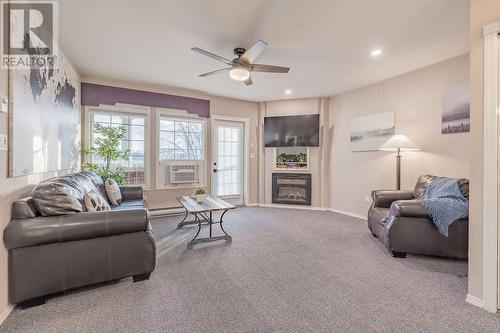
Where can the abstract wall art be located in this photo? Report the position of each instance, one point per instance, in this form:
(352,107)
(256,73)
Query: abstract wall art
(45,119)
(368,133)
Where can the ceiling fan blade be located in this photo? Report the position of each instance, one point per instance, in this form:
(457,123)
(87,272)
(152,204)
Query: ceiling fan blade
(268,68)
(248,81)
(254,52)
(215,72)
(213,56)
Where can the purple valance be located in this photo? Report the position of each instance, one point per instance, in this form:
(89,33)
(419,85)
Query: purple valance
(96,94)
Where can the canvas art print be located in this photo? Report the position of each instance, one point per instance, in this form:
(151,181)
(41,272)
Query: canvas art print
(370,132)
(456,109)
(45,119)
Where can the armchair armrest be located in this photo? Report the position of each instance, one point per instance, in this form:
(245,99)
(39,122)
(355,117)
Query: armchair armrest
(408,208)
(384,199)
(72,227)
(131,192)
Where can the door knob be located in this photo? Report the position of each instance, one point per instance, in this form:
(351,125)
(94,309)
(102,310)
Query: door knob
(215,170)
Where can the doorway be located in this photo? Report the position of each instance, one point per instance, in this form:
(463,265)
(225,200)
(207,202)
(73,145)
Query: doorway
(228,160)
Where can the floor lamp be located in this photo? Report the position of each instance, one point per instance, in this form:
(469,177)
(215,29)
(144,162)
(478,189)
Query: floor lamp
(399,143)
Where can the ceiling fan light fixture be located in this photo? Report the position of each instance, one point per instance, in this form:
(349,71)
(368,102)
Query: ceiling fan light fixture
(239,74)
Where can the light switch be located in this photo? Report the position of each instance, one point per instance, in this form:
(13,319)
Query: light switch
(3,142)
(4,107)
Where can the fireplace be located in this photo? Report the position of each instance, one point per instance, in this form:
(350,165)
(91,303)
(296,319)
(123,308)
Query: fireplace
(292,188)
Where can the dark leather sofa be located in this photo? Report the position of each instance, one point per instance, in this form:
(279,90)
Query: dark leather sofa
(404,226)
(51,254)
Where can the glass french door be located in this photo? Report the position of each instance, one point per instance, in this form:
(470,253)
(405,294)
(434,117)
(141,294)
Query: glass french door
(227,173)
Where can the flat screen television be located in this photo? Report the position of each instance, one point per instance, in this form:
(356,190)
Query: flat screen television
(292,131)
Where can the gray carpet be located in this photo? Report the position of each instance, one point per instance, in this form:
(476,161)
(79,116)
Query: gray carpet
(285,271)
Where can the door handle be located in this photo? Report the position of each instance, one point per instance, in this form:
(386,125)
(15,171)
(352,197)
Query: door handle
(215,170)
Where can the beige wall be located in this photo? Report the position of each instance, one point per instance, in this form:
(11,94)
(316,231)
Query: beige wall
(483,12)
(415,98)
(219,106)
(11,189)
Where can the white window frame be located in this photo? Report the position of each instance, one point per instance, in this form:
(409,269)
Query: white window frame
(121,109)
(161,164)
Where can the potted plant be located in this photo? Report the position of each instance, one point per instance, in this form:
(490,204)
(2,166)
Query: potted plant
(200,194)
(106,146)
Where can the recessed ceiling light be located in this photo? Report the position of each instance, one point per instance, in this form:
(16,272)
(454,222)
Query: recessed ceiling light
(376,52)
(288,92)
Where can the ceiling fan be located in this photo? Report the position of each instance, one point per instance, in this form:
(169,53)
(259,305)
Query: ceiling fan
(240,67)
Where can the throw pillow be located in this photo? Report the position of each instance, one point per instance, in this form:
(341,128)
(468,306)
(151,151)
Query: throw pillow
(95,202)
(113,191)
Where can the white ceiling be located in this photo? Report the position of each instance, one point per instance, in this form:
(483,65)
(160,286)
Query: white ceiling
(326,43)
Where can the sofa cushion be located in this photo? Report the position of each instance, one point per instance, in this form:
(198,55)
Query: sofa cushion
(378,214)
(463,185)
(130,204)
(98,182)
(421,185)
(424,181)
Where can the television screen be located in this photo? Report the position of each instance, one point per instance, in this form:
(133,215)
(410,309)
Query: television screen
(292,131)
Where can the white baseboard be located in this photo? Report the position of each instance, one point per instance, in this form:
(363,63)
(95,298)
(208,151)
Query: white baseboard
(254,204)
(168,211)
(474,301)
(5,313)
(343,212)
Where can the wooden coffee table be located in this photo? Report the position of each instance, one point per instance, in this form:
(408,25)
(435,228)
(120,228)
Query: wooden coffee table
(203,216)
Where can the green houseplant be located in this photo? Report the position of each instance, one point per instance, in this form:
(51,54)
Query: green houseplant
(106,145)
(200,194)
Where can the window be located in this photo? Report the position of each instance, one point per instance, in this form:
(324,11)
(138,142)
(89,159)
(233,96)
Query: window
(135,141)
(181,139)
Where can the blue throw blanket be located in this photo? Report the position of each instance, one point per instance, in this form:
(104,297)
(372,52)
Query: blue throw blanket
(444,203)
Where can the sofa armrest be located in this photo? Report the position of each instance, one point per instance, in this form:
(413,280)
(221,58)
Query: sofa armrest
(131,192)
(408,208)
(384,199)
(73,227)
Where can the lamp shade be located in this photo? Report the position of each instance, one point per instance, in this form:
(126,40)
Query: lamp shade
(399,141)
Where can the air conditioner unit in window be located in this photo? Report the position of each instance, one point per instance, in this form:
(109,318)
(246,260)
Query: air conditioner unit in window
(186,173)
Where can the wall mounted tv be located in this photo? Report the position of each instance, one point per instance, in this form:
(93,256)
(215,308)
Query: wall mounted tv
(292,131)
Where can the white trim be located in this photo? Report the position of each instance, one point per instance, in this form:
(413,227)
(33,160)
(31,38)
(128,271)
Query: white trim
(490,167)
(123,108)
(246,151)
(338,211)
(476,301)
(5,313)
(344,212)
(160,164)
(167,211)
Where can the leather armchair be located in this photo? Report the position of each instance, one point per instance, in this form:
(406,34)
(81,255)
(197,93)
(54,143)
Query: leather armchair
(403,225)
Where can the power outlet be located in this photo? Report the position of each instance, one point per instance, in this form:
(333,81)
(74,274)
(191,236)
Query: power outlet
(368,199)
